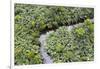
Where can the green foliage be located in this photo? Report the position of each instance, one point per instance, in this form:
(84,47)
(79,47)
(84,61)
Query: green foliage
(80,32)
(62,45)
(17,17)
(89,25)
(74,45)
(26,52)
(51,16)
(59,47)
(33,23)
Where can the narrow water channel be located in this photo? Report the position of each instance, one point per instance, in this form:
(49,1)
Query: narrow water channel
(46,58)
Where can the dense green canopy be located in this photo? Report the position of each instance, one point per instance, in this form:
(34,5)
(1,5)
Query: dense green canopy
(32,20)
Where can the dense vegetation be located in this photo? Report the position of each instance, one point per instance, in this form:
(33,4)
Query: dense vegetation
(70,46)
(32,20)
